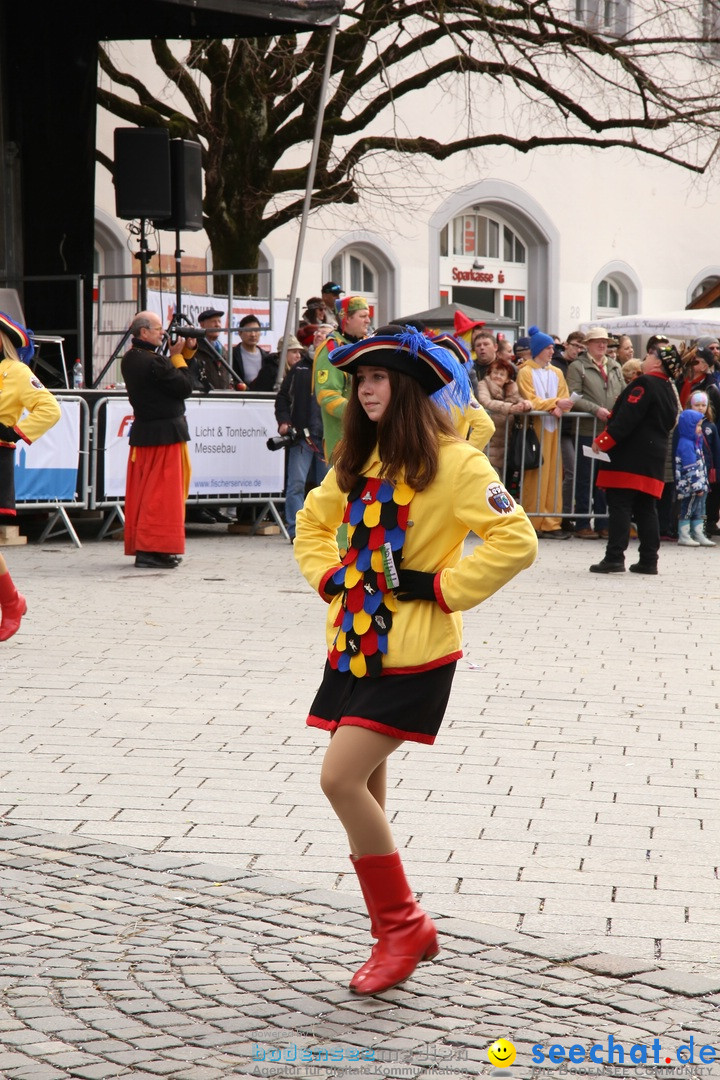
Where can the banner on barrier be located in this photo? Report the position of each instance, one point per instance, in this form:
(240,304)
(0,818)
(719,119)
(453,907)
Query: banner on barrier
(227,447)
(47,470)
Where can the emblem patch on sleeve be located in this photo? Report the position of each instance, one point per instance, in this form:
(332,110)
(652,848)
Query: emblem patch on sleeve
(322,376)
(635,395)
(36,383)
(498,499)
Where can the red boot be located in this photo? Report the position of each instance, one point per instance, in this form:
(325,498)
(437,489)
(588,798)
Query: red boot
(13,607)
(406,935)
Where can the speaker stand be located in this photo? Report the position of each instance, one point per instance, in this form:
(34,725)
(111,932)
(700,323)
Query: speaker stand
(178,274)
(144,255)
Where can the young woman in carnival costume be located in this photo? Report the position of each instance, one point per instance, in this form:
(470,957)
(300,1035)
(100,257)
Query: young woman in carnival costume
(410,489)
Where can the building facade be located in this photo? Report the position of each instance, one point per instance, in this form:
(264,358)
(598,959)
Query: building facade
(555,237)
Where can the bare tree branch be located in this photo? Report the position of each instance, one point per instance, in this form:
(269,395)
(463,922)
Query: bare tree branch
(650,87)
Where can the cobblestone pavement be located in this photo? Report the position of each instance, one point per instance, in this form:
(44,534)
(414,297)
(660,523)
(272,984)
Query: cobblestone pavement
(169,868)
(119,963)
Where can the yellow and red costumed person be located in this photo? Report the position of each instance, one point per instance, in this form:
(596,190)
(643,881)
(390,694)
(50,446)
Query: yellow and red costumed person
(27,411)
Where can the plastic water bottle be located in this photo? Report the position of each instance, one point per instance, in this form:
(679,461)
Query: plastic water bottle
(78,375)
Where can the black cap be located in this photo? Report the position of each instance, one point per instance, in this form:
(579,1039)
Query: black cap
(211,313)
(332,287)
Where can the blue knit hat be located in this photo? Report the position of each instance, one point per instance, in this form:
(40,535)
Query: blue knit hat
(538,341)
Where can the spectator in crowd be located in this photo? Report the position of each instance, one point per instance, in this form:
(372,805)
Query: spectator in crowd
(485,347)
(631,369)
(612,348)
(521,352)
(597,381)
(545,388)
(331,385)
(256,369)
(158,473)
(499,395)
(293,353)
(298,413)
(27,409)
(624,351)
(700,402)
(331,293)
(504,349)
(691,480)
(306,333)
(699,373)
(394,631)
(563,357)
(210,370)
(315,311)
(636,439)
(322,333)
(209,366)
(13,604)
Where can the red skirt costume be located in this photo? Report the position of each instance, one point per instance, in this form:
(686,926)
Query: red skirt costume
(157,485)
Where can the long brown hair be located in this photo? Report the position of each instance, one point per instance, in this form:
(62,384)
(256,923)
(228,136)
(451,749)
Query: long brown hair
(408,435)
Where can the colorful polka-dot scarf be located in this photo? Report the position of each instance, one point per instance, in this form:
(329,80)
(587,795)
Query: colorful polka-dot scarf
(377,516)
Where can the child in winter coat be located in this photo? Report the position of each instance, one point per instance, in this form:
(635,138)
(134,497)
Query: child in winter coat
(704,402)
(691,479)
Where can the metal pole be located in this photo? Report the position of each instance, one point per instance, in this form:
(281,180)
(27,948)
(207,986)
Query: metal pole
(308,198)
(178,274)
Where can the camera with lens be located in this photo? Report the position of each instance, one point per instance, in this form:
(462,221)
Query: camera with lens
(290,438)
(178,330)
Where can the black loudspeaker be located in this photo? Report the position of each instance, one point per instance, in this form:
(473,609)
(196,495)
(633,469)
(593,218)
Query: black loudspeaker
(186,187)
(142,173)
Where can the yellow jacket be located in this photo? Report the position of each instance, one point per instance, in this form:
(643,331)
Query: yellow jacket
(475,424)
(465,496)
(20,389)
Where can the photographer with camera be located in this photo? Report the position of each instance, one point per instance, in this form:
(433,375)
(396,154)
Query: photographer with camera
(636,440)
(301,431)
(158,473)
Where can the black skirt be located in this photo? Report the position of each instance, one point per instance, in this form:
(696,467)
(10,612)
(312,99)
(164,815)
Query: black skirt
(408,707)
(7,480)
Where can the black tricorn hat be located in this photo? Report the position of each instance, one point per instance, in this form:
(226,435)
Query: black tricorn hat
(402,349)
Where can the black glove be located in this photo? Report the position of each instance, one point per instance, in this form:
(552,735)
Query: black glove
(331,588)
(8,434)
(416,585)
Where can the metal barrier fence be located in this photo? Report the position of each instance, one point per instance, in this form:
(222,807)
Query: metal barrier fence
(53,473)
(81,457)
(258,478)
(566,466)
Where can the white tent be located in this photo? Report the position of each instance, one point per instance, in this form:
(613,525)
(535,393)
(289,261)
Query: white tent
(674,324)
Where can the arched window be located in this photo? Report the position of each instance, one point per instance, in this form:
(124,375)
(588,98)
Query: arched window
(482,236)
(354,274)
(707,285)
(363,263)
(608,298)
